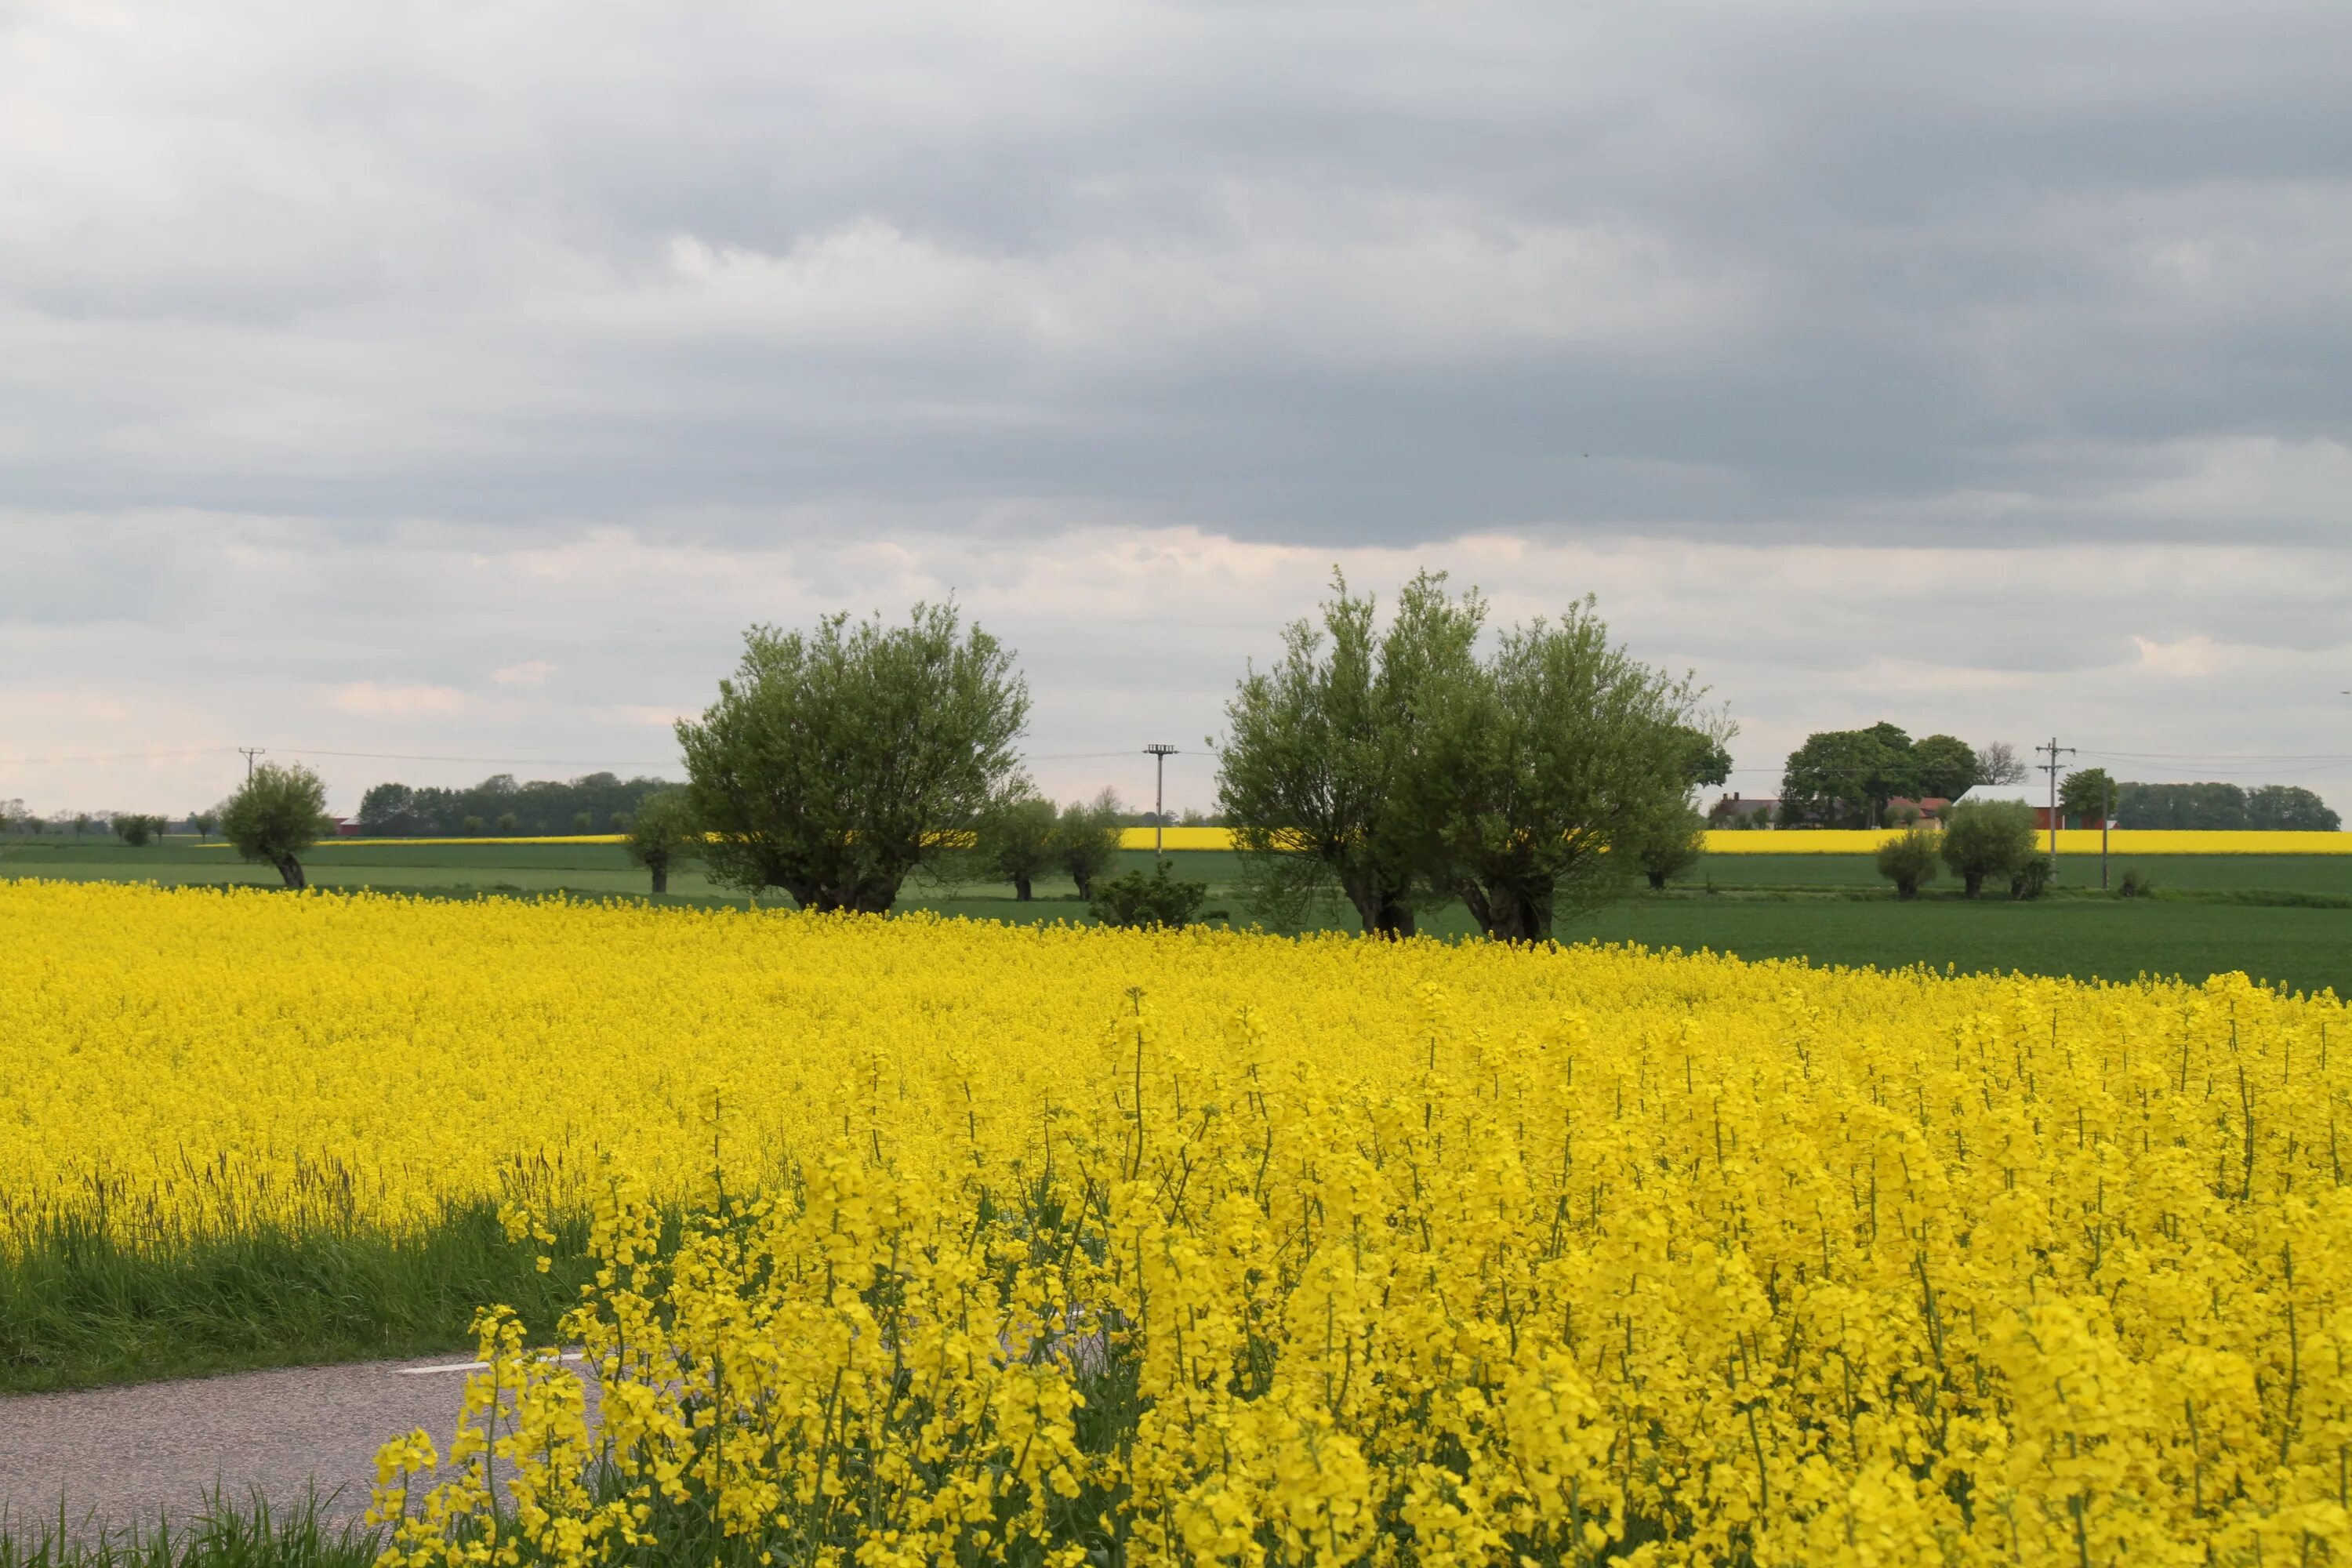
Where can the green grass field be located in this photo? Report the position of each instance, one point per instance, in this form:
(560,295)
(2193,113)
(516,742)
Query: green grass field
(2212,914)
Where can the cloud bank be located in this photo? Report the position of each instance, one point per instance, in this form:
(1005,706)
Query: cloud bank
(440,380)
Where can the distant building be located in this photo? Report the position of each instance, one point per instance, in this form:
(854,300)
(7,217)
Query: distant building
(347,828)
(1931,809)
(1733,811)
(2035,795)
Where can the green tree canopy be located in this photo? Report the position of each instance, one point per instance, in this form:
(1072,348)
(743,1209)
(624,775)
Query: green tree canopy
(400,810)
(1829,782)
(1709,764)
(1085,839)
(1560,748)
(1668,843)
(202,822)
(837,763)
(1986,839)
(1325,767)
(2183,807)
(1016,841)
(2086,793)
(1943,766)
(662,835)
(276,816)
(2289,808)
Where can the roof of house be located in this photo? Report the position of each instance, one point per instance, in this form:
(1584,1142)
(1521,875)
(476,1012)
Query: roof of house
(1745,803)
(2019,793)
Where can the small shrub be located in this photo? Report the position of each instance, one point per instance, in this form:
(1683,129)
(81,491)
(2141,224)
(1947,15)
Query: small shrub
(1987,838)
(1136,900)
(2029,880)
(470,826)
(1909,861)
(2134,885)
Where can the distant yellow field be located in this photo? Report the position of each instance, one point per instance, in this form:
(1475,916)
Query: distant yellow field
(1840,842)
(550,838)
(2071,841)
(1826,841)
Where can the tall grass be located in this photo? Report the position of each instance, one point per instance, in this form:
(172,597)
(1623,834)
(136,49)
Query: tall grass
(78,1307)
(225,1534)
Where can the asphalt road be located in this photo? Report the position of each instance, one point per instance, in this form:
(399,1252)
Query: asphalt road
(119,1456)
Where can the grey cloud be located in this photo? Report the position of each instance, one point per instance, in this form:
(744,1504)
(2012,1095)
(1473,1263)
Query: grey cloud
(1984,367)
(1322,273)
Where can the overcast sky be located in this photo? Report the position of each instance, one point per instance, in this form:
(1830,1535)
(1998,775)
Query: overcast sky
(457,381)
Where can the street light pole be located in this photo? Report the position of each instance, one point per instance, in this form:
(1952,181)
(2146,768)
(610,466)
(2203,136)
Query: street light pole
(1159,752)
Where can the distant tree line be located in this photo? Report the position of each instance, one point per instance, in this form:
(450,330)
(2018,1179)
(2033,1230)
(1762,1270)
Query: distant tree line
(592,803)
(2224,807)
(1849,778)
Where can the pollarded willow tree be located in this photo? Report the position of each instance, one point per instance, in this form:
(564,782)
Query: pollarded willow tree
(839,762)
(276,816)
(1401,768)
(1320,771)
(1550,766)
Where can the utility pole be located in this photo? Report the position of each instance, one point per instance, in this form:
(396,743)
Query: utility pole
(251,753)
(1159,752)
(2106,821)
(2051,767)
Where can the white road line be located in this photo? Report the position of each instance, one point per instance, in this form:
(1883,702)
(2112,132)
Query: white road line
(468,1365)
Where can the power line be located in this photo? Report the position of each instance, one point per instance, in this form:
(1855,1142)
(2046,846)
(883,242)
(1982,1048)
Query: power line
(1070,756)
(149,757)
(2220,756)
(432,757)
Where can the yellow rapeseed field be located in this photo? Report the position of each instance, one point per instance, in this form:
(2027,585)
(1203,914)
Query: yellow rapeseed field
(1086,1247)
(1809,841)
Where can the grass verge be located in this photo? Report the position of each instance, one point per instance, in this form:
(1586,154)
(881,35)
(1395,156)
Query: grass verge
(224,1534)
(79,1307)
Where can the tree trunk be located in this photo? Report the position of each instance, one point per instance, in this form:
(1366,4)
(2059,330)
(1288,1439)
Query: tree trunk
(1367,899)
(1971,884)
(661,878)
(1394,919)
(1658,881)
(291,869)
(1020,889)
(1906,891)
(1084,882)
(1515,915)
(1473,898)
